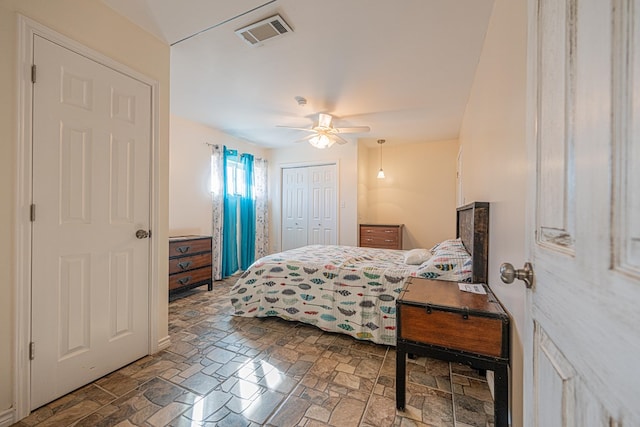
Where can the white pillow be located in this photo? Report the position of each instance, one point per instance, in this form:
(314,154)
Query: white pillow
(417,256)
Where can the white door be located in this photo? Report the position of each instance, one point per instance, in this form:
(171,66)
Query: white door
(322,205)
(90,280)
(294,208)
(585,228)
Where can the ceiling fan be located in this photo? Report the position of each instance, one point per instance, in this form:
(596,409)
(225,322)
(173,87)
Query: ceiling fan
(324,135)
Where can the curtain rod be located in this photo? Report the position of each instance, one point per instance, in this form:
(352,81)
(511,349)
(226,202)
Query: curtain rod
(217,146)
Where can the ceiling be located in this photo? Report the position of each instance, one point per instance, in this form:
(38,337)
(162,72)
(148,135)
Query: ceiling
(404,68)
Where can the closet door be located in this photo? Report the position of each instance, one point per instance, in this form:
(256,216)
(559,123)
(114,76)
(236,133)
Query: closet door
(309,206)
(294,207)
(322,205)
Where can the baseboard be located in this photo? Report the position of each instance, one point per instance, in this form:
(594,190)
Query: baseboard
(7,417)
(164,343)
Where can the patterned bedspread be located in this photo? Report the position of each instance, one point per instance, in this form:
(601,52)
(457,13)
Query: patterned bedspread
(344,289)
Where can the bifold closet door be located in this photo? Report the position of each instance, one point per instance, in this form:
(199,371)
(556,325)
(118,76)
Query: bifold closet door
(309,206)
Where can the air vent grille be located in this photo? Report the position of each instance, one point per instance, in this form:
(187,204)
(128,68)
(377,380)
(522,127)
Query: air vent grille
(266,29)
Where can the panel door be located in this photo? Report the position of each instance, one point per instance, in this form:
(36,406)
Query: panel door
(585,230)
(90,280)
(322,205)
(295,202)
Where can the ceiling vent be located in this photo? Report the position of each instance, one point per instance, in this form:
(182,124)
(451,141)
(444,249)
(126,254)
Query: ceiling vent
(266,29)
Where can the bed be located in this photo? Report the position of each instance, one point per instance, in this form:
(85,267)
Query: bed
(352,290)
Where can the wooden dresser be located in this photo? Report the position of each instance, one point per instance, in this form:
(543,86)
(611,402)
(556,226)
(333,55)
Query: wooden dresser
(386,236)
(189,262)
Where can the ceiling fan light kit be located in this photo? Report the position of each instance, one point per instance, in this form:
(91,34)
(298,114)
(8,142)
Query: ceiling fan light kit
(325,135)
(321,141)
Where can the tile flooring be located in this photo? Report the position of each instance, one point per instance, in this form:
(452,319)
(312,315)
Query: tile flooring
(223,370)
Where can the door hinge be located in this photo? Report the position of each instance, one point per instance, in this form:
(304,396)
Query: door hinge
(32,350)
(32,212)
(33,73)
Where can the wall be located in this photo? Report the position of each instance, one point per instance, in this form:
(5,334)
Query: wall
(93,24)
(419,190)
(346,158)
(495,162)
(190,173)
(363,182)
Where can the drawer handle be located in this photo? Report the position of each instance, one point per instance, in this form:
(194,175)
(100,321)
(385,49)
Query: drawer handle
(183,249)
(184,264)
(184,280)
(368,231)
(388,240)
(389,231)
(369,240)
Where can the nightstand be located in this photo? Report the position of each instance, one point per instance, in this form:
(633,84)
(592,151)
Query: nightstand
(436,319)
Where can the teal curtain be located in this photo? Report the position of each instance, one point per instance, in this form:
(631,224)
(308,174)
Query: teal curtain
(230,222)
(247,215)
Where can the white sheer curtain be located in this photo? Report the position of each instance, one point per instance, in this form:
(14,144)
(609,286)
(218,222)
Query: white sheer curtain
(262,214)
(217,179)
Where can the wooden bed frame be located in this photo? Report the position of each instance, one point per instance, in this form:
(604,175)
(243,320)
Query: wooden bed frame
(472,227)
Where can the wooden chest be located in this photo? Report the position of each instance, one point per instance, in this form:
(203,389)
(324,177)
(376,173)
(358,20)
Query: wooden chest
(437,313)
(189,262)
(436,319)
(386,236)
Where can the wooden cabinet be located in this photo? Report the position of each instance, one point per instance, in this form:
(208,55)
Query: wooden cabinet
(386,236)
(189,263)
(436,319)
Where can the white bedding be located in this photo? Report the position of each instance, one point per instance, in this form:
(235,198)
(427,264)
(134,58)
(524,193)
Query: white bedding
(344,289)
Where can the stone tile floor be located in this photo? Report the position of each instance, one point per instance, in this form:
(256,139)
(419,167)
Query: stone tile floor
(222,370)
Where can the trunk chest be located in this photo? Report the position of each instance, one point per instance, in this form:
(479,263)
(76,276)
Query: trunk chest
(437,313)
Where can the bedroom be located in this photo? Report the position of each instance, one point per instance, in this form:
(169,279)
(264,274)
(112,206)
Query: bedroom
(493,136)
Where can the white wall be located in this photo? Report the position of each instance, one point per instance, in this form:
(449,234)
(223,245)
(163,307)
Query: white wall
(495,162)
(190,173)
(91,23)
(346,158)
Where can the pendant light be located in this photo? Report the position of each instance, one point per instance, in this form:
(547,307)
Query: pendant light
(381,172)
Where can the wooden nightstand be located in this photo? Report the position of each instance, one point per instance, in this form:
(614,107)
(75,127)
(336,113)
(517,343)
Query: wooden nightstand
(437,319)
(189,263)
(386,236)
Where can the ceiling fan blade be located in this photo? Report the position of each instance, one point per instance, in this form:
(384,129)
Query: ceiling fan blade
(306,138)
(355,129)
(295,128)
(340,140)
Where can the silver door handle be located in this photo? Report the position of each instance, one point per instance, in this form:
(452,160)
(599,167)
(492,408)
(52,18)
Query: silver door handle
(143,234)
(508,274)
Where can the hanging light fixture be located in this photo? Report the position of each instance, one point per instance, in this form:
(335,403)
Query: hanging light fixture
(381,172)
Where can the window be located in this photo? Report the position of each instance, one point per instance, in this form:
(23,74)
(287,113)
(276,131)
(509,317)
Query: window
(236,178)
(236,181)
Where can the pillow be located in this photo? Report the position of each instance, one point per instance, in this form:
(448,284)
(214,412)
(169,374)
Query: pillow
(450,245)
(416,256)
(450,261)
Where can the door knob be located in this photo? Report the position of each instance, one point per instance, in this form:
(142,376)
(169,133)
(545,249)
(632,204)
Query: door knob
(508,274)
(143,234)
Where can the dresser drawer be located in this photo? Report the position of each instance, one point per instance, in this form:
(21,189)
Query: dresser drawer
(191,246)
(179,265)
(381,236)
(190,278)
(474,334)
